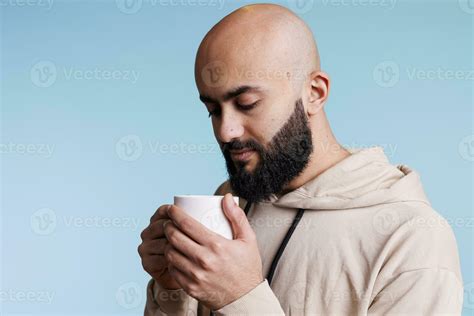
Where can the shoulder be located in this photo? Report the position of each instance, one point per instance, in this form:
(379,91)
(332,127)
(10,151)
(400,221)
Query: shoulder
(419,238)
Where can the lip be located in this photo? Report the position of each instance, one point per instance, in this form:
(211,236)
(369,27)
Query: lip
(242,155)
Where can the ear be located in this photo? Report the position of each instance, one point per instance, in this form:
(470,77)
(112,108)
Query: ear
(318,91)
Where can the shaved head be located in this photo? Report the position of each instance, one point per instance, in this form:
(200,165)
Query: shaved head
(258,73)
(262,39)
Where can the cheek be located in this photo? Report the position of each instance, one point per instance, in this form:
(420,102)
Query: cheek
(263,133)
(261,129)
(269,121)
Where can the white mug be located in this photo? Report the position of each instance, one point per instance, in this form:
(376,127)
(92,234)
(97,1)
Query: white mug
(207,209)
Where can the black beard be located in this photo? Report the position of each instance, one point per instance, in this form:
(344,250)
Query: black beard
(287,156)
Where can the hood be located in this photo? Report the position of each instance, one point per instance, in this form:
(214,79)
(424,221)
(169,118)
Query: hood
(363,179)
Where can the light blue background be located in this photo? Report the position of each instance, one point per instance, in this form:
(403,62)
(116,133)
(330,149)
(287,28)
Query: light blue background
(93,269)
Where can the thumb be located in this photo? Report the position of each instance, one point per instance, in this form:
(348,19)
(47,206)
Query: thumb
(238,220)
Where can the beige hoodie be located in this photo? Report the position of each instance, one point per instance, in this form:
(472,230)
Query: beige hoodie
(369,242)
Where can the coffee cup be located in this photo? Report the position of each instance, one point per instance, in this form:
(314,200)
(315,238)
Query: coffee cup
(207,209)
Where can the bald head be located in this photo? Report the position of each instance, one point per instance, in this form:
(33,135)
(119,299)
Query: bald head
(264,40)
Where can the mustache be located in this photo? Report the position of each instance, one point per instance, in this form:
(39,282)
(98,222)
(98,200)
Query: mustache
(237,145)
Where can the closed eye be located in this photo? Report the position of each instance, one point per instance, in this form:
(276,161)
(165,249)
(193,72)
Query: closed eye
(242,107)
(247,107)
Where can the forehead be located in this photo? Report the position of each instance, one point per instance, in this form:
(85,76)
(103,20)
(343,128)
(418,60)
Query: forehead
(218,76)
(224,63)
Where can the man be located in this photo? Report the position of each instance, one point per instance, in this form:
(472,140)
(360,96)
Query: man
(360,235)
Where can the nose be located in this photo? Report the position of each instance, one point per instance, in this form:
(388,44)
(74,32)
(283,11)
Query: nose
(229,127)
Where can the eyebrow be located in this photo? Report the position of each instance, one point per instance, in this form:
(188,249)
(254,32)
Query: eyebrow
(231,94)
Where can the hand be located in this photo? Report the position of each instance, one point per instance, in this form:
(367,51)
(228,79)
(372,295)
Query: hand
(212,269)
(151,250)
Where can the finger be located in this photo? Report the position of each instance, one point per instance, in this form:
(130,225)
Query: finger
(191,227)
(153,247)
(241,228)
(176,260)
(154,264)
(181,278)
(184,243)
(154,230)
(160,213)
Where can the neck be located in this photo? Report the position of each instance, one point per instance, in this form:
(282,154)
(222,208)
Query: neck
(326,153)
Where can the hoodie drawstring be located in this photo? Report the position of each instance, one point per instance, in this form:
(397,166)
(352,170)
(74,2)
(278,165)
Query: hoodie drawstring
(285,241)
